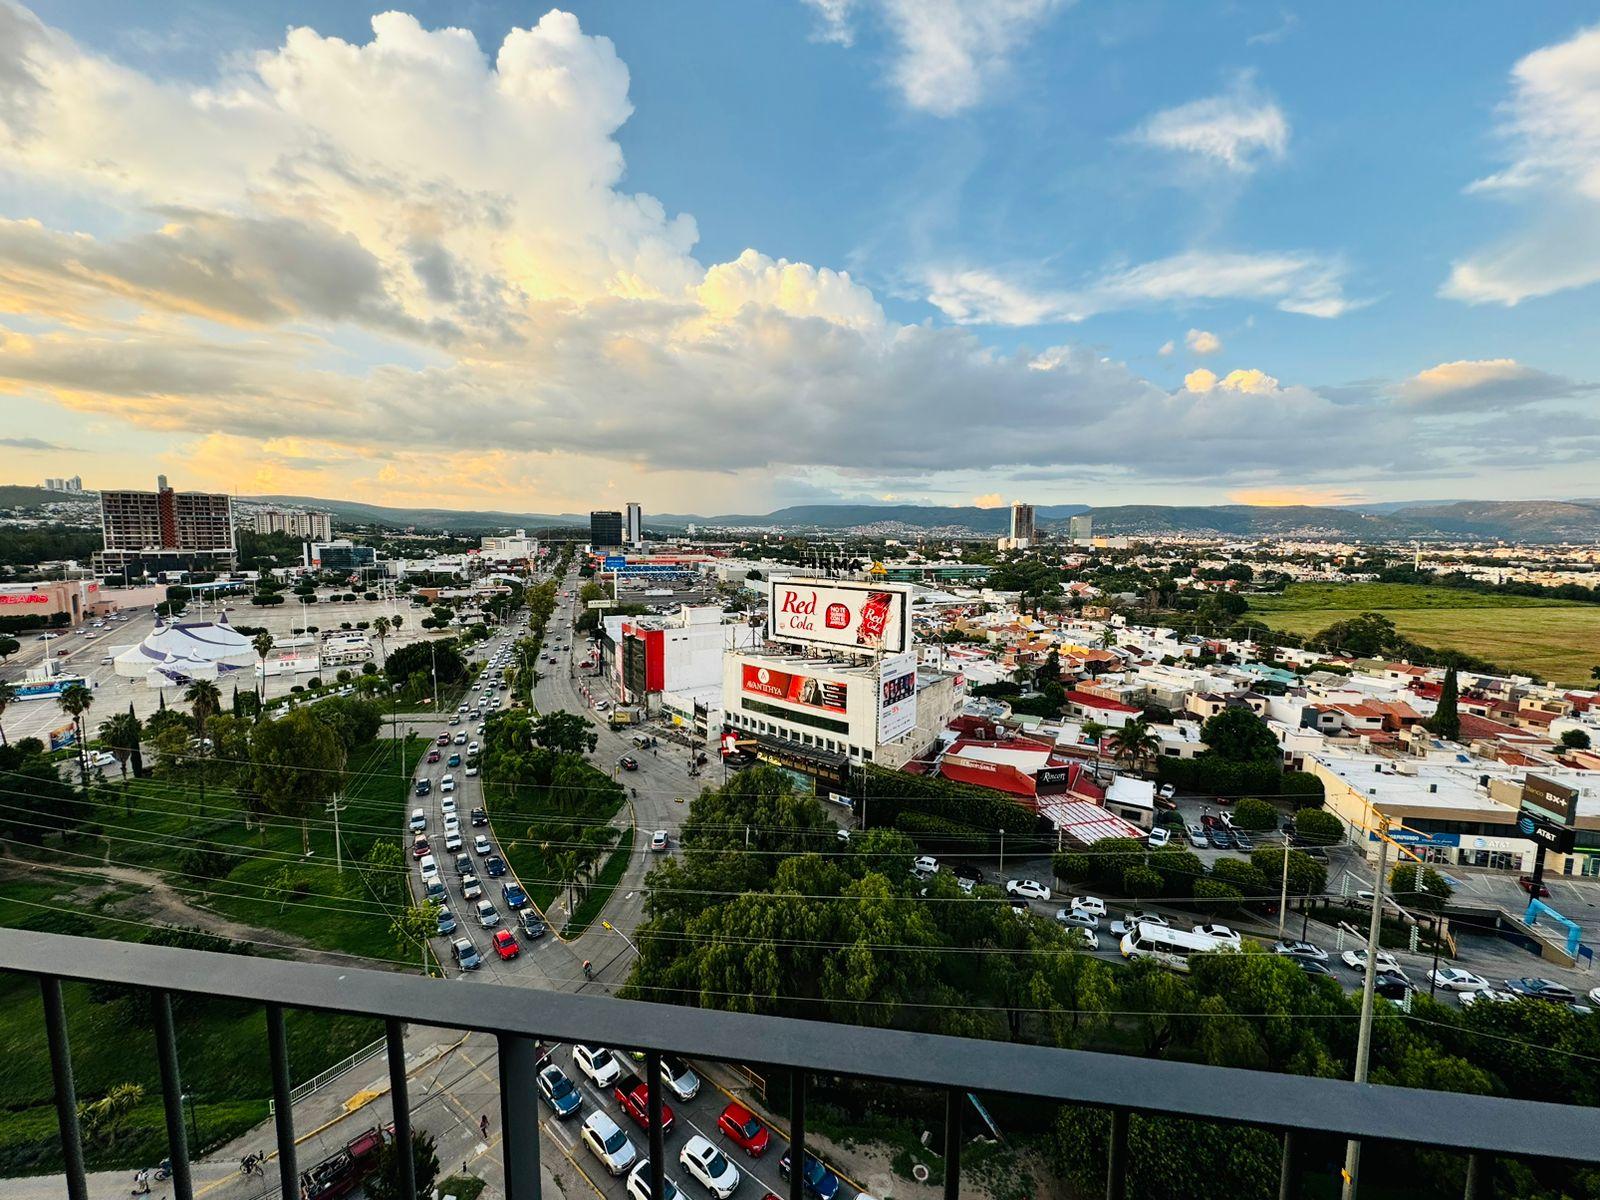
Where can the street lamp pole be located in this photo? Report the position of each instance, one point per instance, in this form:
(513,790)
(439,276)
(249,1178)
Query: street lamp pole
(1283,894)
(610,928)
(1002,853)
(1352,1152)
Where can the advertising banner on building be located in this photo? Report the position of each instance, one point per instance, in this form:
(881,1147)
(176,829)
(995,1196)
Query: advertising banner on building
(897,697)
(805,690)
(852,616)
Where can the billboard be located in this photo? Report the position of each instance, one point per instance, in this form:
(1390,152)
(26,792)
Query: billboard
(1546,798)
(807,691)
(897,697)
(851,616)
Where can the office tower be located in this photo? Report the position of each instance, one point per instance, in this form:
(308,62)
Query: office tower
(1021,526)
(605,530)
(635,524)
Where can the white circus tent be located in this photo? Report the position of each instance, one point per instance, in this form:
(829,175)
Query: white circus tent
(179,652)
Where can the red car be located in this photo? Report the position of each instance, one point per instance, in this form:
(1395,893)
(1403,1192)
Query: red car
(632,1093)
(1526,884)
(442,740)
(420,847)
(743,1130)
(505,944)
(433,756)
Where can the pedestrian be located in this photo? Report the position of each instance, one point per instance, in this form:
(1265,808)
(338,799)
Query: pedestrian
(483,1126)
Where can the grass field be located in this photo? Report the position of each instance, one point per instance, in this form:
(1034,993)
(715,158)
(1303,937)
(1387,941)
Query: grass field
(1558,641)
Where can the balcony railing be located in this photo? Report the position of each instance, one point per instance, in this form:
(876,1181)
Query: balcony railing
(1478,1126)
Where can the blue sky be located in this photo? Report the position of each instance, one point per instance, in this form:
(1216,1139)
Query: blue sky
(1135,252)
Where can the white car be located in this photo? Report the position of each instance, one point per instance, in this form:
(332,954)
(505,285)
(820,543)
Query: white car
(1077,917)
(447,784)
(472,770)
(598,1063)
(1221,932)
(1594,995)
(488,915)
(481,846)
(608,1143)
(1028,889)
(452,823)
(1454,979)
(925,866)
(709,1166)
(1087,939)
(1092,905)
(452,840)
(1166,791)
(472,747)
(1300,950)
(447,805)
(658,841)
(1133,920)
(1356,960)
(639,1183)
(1160,837)
(1468,999)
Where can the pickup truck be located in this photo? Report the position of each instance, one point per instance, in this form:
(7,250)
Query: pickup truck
(634,1097)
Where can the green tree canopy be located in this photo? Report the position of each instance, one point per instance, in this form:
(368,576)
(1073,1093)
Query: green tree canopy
(1238,735)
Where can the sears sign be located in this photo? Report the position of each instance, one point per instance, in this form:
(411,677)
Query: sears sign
(867,617)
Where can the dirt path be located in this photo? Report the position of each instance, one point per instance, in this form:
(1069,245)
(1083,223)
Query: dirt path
(161,902)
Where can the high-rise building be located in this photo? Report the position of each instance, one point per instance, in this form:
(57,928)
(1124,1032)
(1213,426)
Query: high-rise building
(1080,530)
(165,530)
(340,555)
(1021,526)
(635,523)
(74,484)
(605,530)
(297,523)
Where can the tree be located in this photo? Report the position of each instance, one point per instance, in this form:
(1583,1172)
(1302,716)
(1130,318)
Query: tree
(8,693)
(75,701)
(564,732)
(204,703)
(1136,743)
(122,734)
(9,646)
(263,647)
(413,925)
(1369,635)
(384,1182)
(1575,739)
(1238,735)
(1446,720)
(1318,827)
(1307,876)
(1256,815)
(380,630)
(297,765)
(1419,886)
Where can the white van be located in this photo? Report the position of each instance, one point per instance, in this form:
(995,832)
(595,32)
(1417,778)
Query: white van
(430,868)
(419,820)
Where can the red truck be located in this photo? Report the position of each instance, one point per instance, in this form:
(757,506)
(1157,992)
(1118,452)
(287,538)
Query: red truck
(341,1173)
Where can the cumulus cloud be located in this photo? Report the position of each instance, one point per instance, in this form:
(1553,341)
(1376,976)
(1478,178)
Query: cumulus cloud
(1250,382)
(1551,124)
(1238,129)
(1298,283)
(1168,348)
(1485,385)
(1202,342)
(947,52)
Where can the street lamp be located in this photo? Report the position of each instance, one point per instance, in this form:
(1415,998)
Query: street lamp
(1002,853)
(194,1126)
(610,928)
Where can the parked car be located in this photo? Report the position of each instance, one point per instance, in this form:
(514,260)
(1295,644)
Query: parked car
(598,1063)
(1537,891)
(1028,889)
(1243,841)
(1356,960)
(505,944)
(1220,838)
(1312,967)
(710,1167)
(628,762)
(558,1091)
(1197,836)
(639,1183)
(739,1125)
(1078,918)
(1166,792)
(1158,838)
(532,925)
(1456,979)
(1087,939)
(924,866)
(1496,995)
(1531,987)
(821,1183)
(608,1143)
(1391,985)
(466,954)
(634,1097)
(1300,950)
(1221,932)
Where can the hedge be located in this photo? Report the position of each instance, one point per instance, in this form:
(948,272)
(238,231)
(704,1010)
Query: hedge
(1217,897)
(1257,815)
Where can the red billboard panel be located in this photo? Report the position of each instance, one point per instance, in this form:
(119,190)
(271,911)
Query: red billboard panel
(807,691)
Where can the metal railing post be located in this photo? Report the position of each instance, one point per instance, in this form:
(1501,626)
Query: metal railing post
(519,1116)
(282,1103)
(797,1136)
(55,1026)
(172,1097)
(1480,1185)
(1117,1156)
(400,1103)
(953,1100)
(658,1149)
(1286,1169)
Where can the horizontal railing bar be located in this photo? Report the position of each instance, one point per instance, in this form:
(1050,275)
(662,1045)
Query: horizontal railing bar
(1337,1107)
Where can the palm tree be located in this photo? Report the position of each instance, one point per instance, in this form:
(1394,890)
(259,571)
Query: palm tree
(105,1119)
(1137,742)
(7,695)
(380,630)
(205,701)
(122,734)
(75,700)
(263,644)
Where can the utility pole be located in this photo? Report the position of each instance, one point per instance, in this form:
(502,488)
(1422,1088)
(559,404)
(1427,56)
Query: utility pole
(1283,895)
(1352,1151)
(336,806)
(433,658)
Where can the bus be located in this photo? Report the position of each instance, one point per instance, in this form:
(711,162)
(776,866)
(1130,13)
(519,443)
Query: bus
(1169,947)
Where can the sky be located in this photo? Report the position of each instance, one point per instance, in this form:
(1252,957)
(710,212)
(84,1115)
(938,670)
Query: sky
(722,257)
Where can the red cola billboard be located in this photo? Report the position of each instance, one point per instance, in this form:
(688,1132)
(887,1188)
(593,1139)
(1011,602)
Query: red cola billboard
(868,617)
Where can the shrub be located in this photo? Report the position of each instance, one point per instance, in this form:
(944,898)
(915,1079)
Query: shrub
(1300,783)
(1142,883)
(1318,827)
(1254,814)
(1179,869)
(1217,897)
(1070,868)
(1307,877)
(1249,879)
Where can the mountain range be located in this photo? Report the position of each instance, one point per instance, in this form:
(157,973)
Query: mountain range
(1488,520)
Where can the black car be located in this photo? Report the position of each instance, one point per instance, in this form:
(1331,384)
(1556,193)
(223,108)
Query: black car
(1533,988)
(1221,838)
(1391,985)
(479,817)
(532,926)
(423,787)
(1243,841)
(965,870)
(628,762)
(1311,966)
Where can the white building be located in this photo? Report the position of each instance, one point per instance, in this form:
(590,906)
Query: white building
(507,548)
(633,524)
(298,523)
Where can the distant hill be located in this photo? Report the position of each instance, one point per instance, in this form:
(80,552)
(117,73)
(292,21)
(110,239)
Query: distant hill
(22,495)
(853,516)
(455,520)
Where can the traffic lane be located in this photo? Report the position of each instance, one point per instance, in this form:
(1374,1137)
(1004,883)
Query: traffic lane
(690,1117)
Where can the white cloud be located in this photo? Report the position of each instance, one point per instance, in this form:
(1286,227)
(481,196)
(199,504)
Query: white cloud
(1484,384)
(947,52)
(1552,125)
(1250,382)
(1202,342)
(1168,347)
(1299,283)
(1238,129)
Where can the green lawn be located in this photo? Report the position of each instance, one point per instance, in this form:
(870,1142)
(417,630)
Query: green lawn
(1557,641)
(594,899)
(221,1045)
